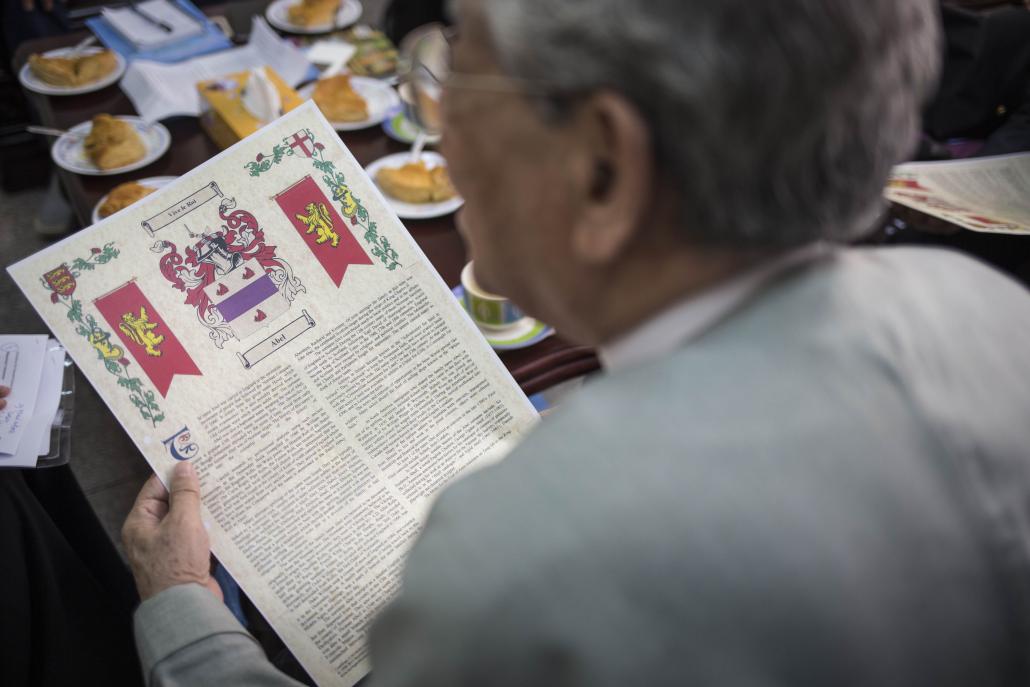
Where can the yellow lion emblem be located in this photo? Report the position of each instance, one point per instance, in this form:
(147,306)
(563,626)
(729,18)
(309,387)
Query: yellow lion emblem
(318,220)
(141,331)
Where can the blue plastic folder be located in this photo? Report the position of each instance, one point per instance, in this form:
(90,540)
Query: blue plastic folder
(211,40)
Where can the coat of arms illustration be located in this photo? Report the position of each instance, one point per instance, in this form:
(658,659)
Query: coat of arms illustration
(231,277)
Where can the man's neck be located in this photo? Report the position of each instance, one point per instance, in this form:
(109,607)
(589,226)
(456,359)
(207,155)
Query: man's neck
(643,290)
(694,314)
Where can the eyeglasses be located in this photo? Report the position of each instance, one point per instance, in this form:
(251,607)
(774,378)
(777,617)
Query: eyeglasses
(425,70)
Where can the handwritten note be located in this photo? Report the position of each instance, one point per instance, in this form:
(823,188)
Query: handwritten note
(35,438)
(21,364)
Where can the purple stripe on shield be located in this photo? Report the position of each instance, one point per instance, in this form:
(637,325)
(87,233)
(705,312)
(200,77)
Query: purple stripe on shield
(246,298)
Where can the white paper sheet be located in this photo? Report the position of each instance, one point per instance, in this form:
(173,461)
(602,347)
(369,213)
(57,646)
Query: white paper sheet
(21,364)
(159,91)
(43,413)
(147,35)
(49,398)
(331,52)
(45,446)
(321,434)
(987,194)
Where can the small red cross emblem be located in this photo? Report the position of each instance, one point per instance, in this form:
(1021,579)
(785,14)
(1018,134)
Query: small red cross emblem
(301,140)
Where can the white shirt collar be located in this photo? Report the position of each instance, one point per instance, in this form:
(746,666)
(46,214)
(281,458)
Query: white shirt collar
(692,316)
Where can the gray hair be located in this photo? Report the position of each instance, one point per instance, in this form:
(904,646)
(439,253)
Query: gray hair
(777,121)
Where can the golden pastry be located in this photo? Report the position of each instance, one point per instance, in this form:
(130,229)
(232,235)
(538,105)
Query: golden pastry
(339,101)
(122,196)
(112,143)
(73,71)
(313,12)
(415,183)
(58,71)
(94,67)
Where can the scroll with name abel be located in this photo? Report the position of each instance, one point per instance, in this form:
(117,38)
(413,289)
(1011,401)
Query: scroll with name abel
(268,318)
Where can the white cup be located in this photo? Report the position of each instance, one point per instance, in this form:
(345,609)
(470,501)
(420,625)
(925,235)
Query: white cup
(489,310)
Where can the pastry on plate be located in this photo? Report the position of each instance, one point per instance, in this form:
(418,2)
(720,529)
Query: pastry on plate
(313,12)
(73,71)
(416,183)
(339,101)
(94,67)
(122,196)
(113,143)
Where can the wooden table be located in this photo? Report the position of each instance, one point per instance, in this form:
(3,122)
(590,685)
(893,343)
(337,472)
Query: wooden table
(536,367)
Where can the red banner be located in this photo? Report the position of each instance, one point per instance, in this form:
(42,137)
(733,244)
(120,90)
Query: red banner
(146,335)
(323,230)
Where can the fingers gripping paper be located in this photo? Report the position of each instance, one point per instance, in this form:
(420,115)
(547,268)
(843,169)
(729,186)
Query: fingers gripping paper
(269,319)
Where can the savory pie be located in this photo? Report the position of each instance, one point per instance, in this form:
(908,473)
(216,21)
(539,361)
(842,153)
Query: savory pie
(339,101)
(122,196)
(416,183)
(73,71)
(113,143)
(313,12)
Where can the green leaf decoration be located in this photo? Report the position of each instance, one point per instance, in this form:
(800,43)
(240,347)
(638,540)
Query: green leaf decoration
(86,326)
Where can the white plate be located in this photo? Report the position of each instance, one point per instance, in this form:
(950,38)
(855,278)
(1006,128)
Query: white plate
(415,210)
(34,83)
(380,96)
(69,151)
(151,182)
(279,17)
(398,127)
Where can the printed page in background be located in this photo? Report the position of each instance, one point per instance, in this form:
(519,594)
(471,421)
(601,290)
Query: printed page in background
(985,194)
(267,317)
(159,91)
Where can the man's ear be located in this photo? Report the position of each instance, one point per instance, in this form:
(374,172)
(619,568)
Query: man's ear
(615,176)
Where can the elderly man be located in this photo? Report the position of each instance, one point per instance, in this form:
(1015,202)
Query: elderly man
(808,465)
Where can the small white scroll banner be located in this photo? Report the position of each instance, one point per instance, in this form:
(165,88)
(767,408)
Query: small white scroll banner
(277,340)
(181,209)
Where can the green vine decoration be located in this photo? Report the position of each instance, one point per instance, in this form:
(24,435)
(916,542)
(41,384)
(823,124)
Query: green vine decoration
(110,355)
(263,163)
(351,206)
(98,256)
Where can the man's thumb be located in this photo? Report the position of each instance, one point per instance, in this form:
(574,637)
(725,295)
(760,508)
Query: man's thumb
(184,491)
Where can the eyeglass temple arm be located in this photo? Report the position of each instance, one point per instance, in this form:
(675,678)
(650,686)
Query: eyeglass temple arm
(497,83)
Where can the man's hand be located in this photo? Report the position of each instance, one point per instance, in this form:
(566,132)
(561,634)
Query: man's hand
(5,391)
(164,537)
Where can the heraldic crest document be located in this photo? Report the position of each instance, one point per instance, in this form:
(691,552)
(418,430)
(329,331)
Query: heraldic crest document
(268,318)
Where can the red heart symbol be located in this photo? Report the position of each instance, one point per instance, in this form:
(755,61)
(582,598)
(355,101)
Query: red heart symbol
(248,273)
(221,290)
(260,316)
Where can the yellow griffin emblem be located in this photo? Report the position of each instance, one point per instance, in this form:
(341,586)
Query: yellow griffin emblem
(348,205)
(141,331)
(318,220)
(101,340)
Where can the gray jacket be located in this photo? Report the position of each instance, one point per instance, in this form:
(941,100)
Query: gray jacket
(830,487)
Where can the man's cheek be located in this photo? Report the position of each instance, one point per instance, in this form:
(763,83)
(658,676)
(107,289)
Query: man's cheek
(468,170)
